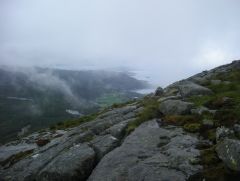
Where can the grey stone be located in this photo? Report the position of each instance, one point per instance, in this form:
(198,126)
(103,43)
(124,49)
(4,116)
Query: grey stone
(118,130)
(223,132)
(199,80)
(74,164)
(111,118)
(187,88)
(228,151)
(171,91)
(200,110)
(162,99)
(9,154)
(104,144)
(175,107)
(159,91)
(67,146)
(118,111)
(150,153)
(28,168)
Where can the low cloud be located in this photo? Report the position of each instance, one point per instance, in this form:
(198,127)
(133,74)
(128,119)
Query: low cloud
(169,39)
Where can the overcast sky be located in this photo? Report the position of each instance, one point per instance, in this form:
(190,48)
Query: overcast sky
(171,39)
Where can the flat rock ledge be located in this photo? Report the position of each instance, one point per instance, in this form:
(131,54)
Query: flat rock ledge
(151,153)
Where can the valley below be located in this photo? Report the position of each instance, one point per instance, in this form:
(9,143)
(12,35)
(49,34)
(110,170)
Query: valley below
(38,98)
(188,131)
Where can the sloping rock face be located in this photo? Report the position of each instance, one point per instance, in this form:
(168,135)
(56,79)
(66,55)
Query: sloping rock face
(10,154)
(161,137)
(228,147)
(150,153)
(69,156)
(187,88)
(75,164)
(229,151)
(175,107)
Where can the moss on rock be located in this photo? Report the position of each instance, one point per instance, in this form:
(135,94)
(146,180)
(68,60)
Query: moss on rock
(192,127)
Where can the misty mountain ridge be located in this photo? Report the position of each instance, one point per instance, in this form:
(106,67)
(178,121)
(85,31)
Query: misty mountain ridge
(187,131)
(40,97)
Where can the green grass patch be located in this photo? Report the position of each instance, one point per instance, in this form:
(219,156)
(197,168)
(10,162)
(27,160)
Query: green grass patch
(180,120)
(233,76)
(200,100)
(192,127)
(226,99)
(150,111)
(74,122)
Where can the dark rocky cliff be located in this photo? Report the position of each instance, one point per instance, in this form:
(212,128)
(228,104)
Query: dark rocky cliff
(188,131)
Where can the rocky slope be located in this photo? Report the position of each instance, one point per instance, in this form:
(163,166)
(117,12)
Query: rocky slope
(188,131)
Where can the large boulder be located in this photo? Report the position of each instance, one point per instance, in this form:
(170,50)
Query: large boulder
(175,107)
(150,153)
(74,164)
(104,144)
(228,151)
(11,154)
(188,88)
(223,132)
(159,91)
(29,168)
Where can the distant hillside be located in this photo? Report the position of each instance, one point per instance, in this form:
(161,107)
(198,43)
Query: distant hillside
(38,97)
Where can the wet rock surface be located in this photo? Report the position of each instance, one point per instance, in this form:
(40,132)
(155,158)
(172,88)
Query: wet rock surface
(173,140)
(104,144)
(150,153)
(229,150)
(71,155)
(11,154)
(187,88)
(175,107)
(74,164)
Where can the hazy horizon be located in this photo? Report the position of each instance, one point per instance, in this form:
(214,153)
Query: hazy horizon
(162,41)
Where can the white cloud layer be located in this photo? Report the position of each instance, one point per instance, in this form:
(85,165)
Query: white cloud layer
(170,39)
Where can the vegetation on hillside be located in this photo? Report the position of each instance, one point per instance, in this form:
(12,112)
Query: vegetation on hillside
(40,97)
(226,102)
(150,111)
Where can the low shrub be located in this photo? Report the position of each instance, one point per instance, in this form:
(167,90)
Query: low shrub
(150,111)
(192,127)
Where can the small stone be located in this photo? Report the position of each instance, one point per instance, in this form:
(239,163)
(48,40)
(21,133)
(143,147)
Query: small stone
(228,151)
(223,132)
(159,91)
(42,142)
